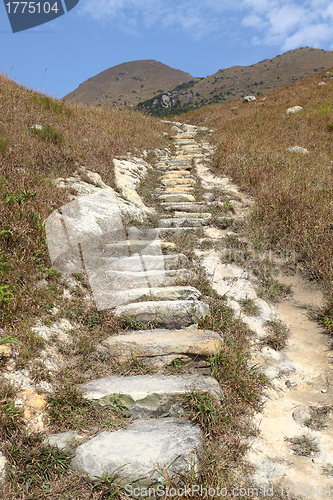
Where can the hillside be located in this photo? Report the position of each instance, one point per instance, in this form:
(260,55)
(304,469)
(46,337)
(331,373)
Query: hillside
(144,83)
(224,241)
(128,83)
(292,191)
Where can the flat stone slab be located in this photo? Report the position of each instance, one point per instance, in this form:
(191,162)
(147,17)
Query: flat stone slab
(138,452)
(193,215)
(149,390)
(169,313)
(177,188)
(140,262)
(174,197)
(4,466)
(162,293)
(184,206)
(177,173)
(171,181)
(180,222)
(159,347)
(64,440)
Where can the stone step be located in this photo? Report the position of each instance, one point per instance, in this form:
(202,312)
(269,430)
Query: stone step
(160,347)
(177,173)
(174,168)
(178,180)
(125,248)
(185,206)
(185,135)
(176,198)
(193,215)
(167,313)
(165,231)
(162,293)
(120,281)
(138,453)
(115,288)
(148,395)
(177,188)
(138,263)
(180,222)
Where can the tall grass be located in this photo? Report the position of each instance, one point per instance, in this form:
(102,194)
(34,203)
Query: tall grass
(293,193)
(30,158)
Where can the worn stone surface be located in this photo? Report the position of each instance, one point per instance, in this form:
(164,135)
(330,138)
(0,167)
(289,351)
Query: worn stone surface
(180,222)
(136,453)
(148,390)
(3,469)
(293,110)
(249,98)
(162,293)
(64,440)
(297,149)
(169,313)
(161,346)
(175,198)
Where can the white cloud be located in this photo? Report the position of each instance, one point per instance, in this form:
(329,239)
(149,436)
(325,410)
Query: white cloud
(282,23)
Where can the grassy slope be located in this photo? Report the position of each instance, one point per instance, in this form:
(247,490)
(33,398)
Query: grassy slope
(293,193)
(128,82)
(251,147)
(81,136)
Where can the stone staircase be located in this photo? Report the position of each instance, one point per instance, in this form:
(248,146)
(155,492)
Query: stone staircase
(162,330)
(141,277)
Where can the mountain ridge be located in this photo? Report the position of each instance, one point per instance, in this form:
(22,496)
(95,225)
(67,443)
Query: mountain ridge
(141,84)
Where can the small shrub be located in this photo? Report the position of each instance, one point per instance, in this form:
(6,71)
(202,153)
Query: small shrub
(48,133)
(249,307)
(303,446)
(4,143)
(279,333)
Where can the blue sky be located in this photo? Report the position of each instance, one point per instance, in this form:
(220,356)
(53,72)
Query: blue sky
(197,36)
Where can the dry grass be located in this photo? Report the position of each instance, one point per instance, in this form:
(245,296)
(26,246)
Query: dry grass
(29,160)
(293,193)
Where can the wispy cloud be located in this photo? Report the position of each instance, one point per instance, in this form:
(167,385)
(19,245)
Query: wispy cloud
(290,23)
(283,23)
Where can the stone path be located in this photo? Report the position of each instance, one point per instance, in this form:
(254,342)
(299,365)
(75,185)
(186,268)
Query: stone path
(141,286)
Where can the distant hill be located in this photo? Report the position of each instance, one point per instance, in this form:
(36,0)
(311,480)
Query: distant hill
(128,83)
(161,90)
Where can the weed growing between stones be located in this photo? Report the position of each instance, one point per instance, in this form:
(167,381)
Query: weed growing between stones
(249,307)
(68,409)
(11,418)
(317,420)
(278,336)
(303,446)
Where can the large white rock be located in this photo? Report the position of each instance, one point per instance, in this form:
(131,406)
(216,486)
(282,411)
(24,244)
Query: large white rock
(137,453)
(128,175)
(3,469)
(297,149)
(294,109)
(249,98)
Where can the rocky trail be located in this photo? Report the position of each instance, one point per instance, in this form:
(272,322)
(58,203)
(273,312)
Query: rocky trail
(138,272)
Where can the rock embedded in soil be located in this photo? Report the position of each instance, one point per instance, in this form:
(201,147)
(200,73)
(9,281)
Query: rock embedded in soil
(3,469)
(138,452)
(159,347)
(149,391)
(168,313)
(176,198)
(66,441)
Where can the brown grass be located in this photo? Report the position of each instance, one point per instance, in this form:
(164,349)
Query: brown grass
(293,193)
(29,159)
